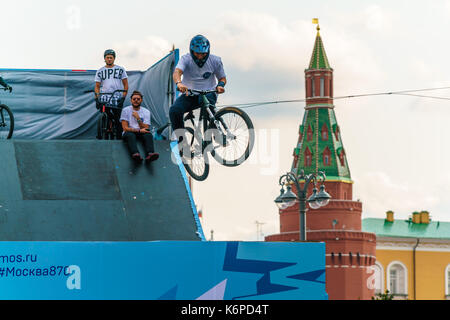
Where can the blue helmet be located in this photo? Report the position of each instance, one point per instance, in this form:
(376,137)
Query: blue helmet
(199,44)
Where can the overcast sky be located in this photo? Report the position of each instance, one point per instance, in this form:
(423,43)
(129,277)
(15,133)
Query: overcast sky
(397,146)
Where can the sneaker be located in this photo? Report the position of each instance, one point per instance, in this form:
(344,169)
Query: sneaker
(137,157)
(152,157)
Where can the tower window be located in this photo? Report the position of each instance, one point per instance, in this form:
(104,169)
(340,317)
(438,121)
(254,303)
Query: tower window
(331,87)
(309,134)
(336,133)
(327,157)
(322,87)
(308,158)
(308,161)
(313,87)
(324,132)
(342,158)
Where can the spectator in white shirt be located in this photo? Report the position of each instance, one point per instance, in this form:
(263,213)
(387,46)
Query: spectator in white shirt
(135,121)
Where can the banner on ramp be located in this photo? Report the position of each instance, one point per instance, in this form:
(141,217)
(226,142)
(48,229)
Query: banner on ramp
(166,270)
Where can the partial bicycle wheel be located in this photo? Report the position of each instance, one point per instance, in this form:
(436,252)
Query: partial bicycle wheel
(102,123)
(232,143)
(194,159)
(111,129)
(118,130)
(6,122)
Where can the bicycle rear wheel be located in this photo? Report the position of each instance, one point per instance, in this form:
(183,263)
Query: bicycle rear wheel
(6,122)
(102,124)
(194,159)
(231,148)
(111,129)
(117,130)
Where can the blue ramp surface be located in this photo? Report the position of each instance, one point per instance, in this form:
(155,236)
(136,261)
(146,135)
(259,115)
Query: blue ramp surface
(91,190)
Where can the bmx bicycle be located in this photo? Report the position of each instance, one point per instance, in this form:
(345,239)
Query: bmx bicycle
(228,135)
(108,127)
(6,120)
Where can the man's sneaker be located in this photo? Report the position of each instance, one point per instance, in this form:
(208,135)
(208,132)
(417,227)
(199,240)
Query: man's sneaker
(136,157)
(152,157)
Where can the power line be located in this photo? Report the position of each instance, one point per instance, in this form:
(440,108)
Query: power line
(422,96)
(403,92)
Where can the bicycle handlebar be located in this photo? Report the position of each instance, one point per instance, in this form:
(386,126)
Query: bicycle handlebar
(201,92)
(105,93)
(111,94)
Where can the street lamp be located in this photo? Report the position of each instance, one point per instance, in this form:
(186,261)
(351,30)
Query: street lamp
(287,198)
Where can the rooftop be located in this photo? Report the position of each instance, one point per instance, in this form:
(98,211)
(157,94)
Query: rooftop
(407,228)
(319,58)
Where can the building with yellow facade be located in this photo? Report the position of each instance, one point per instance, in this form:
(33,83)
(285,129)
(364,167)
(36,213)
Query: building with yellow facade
(412,256)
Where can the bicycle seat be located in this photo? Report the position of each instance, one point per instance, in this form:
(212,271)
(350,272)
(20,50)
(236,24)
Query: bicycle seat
(189,116)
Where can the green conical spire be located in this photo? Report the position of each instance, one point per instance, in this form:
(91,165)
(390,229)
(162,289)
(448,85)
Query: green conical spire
(319,58)
(320,146)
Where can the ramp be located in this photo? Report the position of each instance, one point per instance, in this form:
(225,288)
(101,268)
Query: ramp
(90,190)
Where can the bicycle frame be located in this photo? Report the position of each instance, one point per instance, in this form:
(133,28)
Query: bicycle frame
(207,117)
(214,133)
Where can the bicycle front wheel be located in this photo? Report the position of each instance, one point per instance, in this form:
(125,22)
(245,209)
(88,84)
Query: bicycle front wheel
(194,159)
(6,122)
(231,143)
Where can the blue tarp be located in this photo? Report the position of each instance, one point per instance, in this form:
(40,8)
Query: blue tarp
(52,104)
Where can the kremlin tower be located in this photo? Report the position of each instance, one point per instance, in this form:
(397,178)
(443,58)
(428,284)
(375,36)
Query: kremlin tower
(350,253)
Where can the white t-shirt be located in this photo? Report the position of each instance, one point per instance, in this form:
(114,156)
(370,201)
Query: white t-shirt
(127,115)
(204,78)
(110,80)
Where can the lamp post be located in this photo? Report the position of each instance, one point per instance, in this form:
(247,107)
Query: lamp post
(287,198)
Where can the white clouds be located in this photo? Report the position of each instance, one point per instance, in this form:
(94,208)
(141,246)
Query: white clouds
(379,192)
(266,45)
(447,7)
(141,54)
(376,18)
(256,40)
